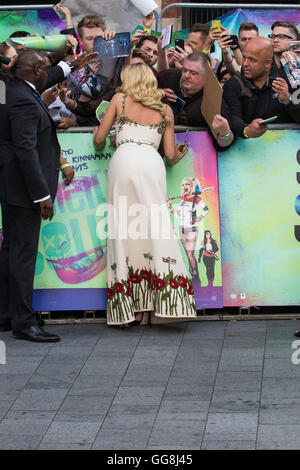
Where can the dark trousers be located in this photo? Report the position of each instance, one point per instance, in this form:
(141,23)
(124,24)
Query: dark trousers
(21,229)
(209,262)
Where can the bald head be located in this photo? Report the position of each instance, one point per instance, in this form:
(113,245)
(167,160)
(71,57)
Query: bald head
(257,59)
(260,46)
(31,66)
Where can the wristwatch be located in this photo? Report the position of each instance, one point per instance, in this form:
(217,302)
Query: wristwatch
(70,64)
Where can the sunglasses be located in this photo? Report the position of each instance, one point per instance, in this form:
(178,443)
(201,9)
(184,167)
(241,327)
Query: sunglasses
(279,36)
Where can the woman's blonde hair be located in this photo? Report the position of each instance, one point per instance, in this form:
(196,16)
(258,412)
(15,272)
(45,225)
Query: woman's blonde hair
(139,82)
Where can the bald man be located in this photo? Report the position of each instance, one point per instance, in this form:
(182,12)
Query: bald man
(30,155)
(259,92)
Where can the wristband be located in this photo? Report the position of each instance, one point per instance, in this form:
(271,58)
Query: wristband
(245,133)
(65,165)
(205,51)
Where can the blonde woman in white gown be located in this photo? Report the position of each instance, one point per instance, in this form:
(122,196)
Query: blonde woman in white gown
(145,269)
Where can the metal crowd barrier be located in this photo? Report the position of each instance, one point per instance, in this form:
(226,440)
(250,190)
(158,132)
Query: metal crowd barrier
(223,5)
(225,313)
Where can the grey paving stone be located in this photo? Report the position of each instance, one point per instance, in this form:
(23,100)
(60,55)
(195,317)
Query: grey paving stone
(74,432)
(117,345)
(63,446)
(255,340)
(107,366)
(4,407)
(56,372)
(93,385)
(139,395)
(201,343)
(183,410)
(238,381)
(184,433)
(228,445)
(209,329)
(241,359)
(40,381)
(279,350)
(40,400)
(231,426)
(26,422)
(79,417)
(187,390)
(224,401)
(167,329)
(139,420)
(26,348)
(160,342)
(276,389)
(11,385)
(278,413)
(193,376)
(123,414)
(198,355)
(244,326)
(194,370)
(88,405)
(110,438)
(17,442)
(280,334)
(153,357)
(178,447)
(278,437)
(280,368)
(69,355)
(109,380)
(146,375)
(20,365)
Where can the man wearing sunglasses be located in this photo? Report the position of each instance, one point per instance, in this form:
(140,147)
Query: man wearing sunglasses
(282,33)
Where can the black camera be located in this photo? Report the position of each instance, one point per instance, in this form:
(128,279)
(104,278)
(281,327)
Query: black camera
(4,60)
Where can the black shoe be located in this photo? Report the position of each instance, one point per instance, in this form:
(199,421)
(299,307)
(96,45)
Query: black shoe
(36,334)
(297,333)
(5,327)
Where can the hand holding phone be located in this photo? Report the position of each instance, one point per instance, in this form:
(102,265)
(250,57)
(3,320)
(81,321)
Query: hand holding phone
(179,43)
(268,121)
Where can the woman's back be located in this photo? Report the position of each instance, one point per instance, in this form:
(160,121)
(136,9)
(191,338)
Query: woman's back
(137,123)
(138,112)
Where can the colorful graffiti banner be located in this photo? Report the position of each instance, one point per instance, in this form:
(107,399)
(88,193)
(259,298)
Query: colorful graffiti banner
(42,22)
(200,164)
(260,208)
(70,269)
(263,18)
(71,257)
(258,190)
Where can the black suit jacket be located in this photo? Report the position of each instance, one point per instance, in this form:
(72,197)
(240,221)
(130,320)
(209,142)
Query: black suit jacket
(29,149)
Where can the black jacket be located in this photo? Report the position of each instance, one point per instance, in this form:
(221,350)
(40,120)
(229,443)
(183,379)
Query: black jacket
(247,102)
(191,114)
(29,149)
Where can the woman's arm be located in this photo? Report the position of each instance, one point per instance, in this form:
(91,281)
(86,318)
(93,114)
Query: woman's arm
(172,153)
(101,132)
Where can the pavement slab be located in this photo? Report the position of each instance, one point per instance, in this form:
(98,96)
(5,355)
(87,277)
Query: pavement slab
(210,385)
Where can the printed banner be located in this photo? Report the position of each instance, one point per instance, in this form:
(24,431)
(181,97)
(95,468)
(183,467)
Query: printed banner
(263,19)
(259,206)
(259,210)
(42,22)
(71,256)
(193,194)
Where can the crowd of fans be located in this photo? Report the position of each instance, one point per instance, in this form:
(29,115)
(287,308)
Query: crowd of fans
(252,72)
